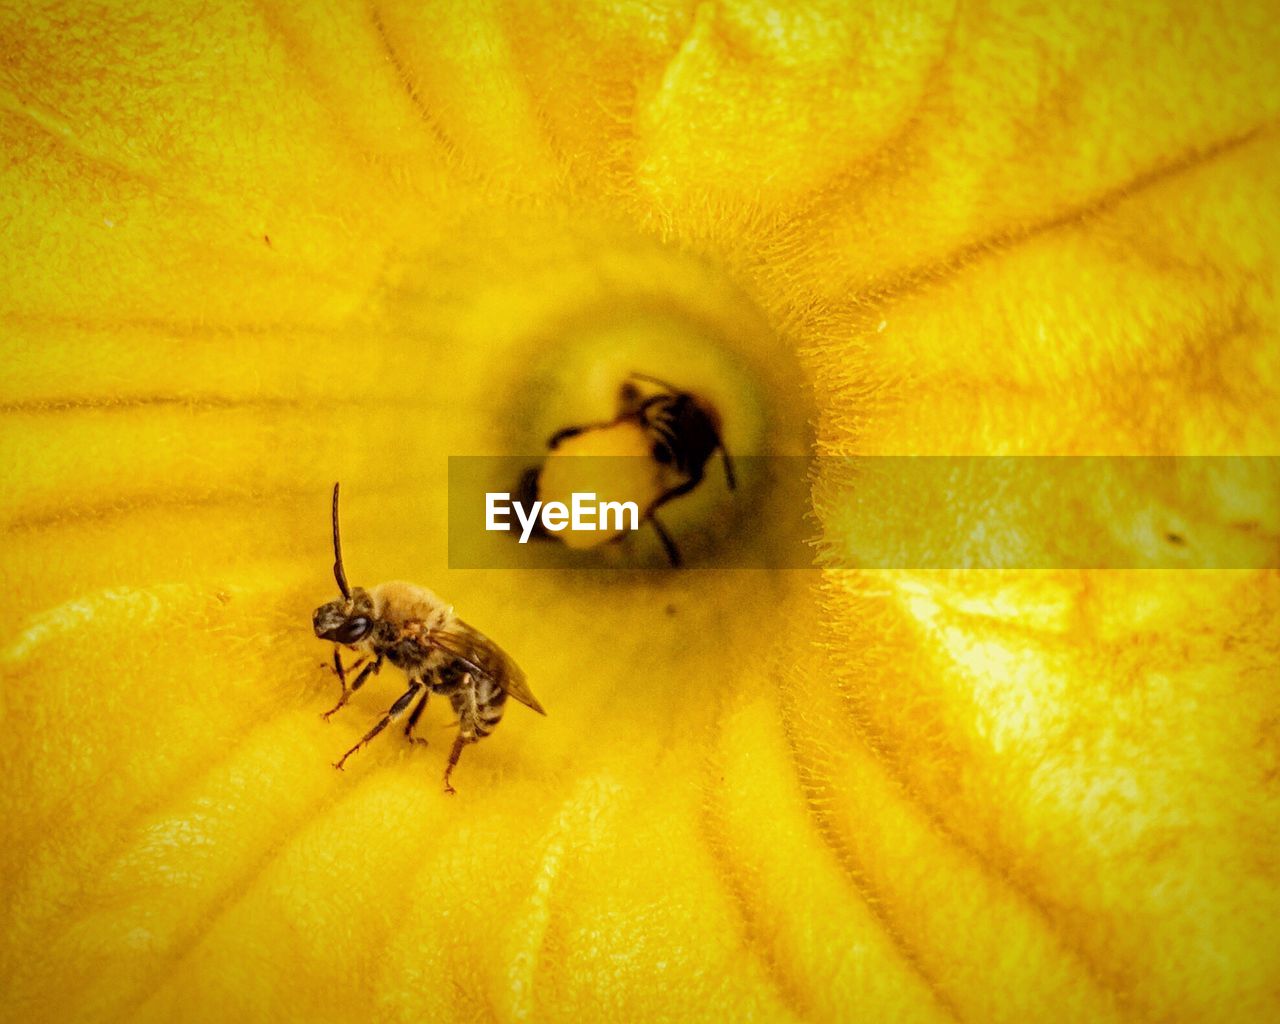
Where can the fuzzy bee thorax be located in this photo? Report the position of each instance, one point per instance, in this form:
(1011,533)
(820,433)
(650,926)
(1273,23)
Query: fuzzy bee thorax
(398,602)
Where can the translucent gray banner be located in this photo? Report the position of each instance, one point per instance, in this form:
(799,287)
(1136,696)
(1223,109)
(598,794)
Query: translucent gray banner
(882,512)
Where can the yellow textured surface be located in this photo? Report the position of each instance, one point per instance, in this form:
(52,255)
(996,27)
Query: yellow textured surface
(248,250)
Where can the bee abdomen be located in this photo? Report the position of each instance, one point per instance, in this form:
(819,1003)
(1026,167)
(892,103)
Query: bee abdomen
(479,706)
(489,715)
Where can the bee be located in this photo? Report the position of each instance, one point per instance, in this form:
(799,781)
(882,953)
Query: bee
(675,432)
(413,629)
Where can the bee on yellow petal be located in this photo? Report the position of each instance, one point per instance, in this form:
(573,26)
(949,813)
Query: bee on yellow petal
(417,632)
(670,435)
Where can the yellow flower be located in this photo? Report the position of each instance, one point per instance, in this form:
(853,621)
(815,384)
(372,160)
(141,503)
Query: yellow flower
(253,249)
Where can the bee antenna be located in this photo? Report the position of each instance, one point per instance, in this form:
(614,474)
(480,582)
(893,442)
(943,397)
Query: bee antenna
(338,573)
(655,380)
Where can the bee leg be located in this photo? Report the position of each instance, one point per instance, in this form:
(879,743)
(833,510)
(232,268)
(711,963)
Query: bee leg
(413,720)
(356,683)
(567,432)
(679,490)
(459,741)
(526,493)
(729,477)
(338,669)
(673,552)
(393,712)
(563,435)
(669,545)
(479,710)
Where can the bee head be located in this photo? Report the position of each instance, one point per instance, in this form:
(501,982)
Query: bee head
(347,620)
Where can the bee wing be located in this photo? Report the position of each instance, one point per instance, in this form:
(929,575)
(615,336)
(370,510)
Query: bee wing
(482,655)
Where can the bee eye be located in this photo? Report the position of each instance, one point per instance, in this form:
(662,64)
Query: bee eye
(355,628)
(662,453)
